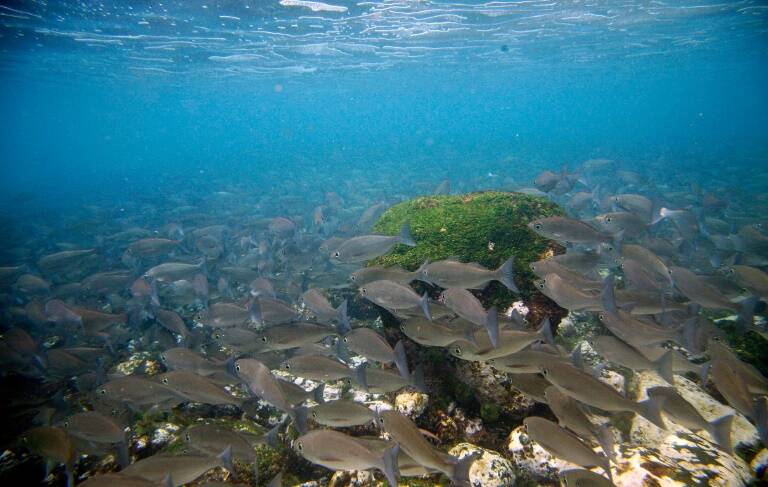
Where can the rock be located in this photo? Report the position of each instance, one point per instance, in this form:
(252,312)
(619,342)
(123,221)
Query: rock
(140,361)
(742,433)
(490,469)
(534,463)
(411,403)
(463,226)
(649,456)
(489,387)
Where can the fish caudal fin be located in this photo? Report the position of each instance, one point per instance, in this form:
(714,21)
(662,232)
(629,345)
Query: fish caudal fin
(664,367)
(545,330)
(389,465)
(359,376)
(405,235)
(607,441)
(505,275)
(343,326)
(300,419)
(424,303)
(401,360)
(461,469)
(492,326)
(650,409)
(720,431)
(226,461)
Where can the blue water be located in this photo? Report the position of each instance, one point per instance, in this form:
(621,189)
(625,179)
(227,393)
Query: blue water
(101,100)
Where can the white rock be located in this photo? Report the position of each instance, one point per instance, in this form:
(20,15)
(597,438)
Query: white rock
(411,404)
(490,469)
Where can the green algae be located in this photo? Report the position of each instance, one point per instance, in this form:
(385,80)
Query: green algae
(485,227)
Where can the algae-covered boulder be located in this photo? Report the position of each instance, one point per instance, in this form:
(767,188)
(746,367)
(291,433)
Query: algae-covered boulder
(485,227)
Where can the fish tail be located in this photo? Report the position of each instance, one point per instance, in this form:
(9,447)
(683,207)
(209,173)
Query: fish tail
(123,457)
(360,376)
(401,360)
(492,326)
(469,334)
(747,311)
(720,431)
(419,273)
(608,297)
(226,461)
(254,311)
(417,379)
(389,465)
(505,275)
(703,372)
(424,303)
(343,327)
(405,235)
(461,469)
(607,442)
(662,214)
(651,408)
(545,330)
(167,481)
(271,436)
(299,415)
(665,367)
(761,418)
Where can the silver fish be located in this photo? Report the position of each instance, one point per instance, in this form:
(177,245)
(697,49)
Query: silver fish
(367,247)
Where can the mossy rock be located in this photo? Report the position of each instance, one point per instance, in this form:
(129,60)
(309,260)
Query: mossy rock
(484,227)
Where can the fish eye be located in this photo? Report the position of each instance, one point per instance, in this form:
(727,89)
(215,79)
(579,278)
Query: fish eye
(345,339)
(165,380)
(716,339)
(541,285)
(217,336)
(102,391)
(601,316)
(537,226)
(299,446)
(354,278)
(381,420)
(264,339)
(608,219)
(545,371)
(457,350)
(66,424)
(186,436)
(314,414)
(237,368)
(336,254)
(363,290)
(287,366)
(162,357)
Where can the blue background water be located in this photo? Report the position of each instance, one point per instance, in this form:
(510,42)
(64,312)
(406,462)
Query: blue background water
(84,120)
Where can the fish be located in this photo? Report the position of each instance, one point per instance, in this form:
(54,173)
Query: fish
(181,469)
(138,393)
(209,439)
(563,444)
(394,296)
(571,415)
(436,333)
(366,342)
(750,277)
(407,435)
(577,477)
(323,310)
(53,444)
(294,335)
(341,413)
(585,388)
(174,271)
(197,388)
(260,381)
(185,359)
(568,230)
(510,341)
(322,368)
(620,353)
(699,291)
(531,385)
(337,451)
(467,306)
(454,274)
(683,413)
(367,247)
